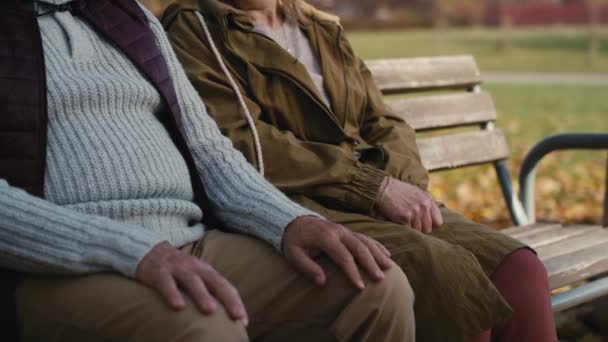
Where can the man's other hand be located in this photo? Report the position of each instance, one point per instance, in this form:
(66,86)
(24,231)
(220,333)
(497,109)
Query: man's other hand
(406,204)
(166,269)
(307,237)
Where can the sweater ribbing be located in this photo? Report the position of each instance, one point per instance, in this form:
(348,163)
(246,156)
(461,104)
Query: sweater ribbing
(115,183)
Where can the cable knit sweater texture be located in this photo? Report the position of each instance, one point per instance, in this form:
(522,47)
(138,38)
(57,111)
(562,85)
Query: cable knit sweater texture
(115,183)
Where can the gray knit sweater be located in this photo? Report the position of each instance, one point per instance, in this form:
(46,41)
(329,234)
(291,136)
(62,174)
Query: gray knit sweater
(115,184)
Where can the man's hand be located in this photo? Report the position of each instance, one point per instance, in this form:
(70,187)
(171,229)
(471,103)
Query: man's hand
(307,237)
(406,204)
(166,269)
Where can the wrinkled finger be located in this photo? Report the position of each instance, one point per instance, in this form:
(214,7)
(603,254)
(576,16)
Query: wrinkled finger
(307,266)
(166,286)
(345,260)
(364,257)
(417,221)
(226,294)
(379,216)
(436,216)
(377,252)
(383,248)
(426,221)
(195,287)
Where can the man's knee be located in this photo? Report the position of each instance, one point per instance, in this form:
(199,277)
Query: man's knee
(110,307)
(395,292)
(383,311)
(215,327)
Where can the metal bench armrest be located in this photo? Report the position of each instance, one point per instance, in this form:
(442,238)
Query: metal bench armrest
(568,141)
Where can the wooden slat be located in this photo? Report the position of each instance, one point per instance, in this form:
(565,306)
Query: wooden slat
(606,198)
(461,149)
(518,232)
(442,111)
(580,264)
(548,237)
(411,74)
(588,239)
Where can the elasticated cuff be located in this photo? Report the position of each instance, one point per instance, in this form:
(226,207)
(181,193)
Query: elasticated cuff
(366,183)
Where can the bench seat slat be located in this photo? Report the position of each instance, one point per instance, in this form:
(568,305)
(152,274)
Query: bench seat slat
(578,265)
(570,253)
(414,74)
(557,234)
(443,111)
(461,149)
(588,239)
(522,231)
(517,231)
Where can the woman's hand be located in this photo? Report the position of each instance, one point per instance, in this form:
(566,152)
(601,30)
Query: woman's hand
(406,204)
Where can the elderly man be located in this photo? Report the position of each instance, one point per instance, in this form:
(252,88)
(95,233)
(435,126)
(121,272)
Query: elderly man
(119,161)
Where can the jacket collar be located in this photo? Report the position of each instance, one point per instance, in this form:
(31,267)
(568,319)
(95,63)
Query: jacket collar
(236,32)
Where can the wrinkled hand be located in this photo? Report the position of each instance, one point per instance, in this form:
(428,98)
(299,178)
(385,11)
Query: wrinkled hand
(166,268)
(406,204)
(307,237)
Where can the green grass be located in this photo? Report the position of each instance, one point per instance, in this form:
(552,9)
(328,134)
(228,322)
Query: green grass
(528,112)
(552,49)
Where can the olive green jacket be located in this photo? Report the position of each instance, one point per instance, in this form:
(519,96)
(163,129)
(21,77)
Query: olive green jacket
(336,155)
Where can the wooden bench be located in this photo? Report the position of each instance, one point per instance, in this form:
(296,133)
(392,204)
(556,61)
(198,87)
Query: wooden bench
(445,92)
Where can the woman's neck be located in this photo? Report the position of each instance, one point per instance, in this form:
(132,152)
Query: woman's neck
(265,12)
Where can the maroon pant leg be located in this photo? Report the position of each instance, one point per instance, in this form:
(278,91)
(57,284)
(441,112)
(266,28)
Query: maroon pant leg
(522,280)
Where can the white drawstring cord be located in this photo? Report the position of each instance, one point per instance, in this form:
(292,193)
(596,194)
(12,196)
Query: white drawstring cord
(235,88)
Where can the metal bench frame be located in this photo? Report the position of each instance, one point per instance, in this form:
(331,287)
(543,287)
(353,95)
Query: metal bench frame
(523,212)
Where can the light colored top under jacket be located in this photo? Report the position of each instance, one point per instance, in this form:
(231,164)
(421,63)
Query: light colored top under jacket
(115,183)
(291,38)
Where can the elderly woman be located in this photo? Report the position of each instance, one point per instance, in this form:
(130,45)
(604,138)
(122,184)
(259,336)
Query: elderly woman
(284,85)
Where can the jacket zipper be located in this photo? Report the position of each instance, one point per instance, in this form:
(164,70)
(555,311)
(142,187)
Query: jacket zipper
(343,75)
(300,86)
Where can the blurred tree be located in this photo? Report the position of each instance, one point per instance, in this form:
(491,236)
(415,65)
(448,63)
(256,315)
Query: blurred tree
(594,9)
(442,13)
(468,12)
(505,22)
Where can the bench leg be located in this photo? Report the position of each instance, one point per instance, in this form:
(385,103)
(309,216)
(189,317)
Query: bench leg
(580,295)
(605,221)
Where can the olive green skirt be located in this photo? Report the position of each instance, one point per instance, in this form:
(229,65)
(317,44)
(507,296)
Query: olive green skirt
(448,269)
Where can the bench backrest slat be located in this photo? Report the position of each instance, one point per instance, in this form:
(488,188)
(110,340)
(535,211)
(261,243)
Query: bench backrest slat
(605,223)
(459,103)
(416,74)
(443,111)
(462,149)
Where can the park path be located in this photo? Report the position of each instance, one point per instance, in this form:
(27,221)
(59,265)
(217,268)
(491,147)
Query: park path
(545,78)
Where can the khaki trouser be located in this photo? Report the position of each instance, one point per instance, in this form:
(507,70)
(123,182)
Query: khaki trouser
(282,305)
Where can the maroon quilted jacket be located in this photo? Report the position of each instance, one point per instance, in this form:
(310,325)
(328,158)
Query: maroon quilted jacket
(23,102)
